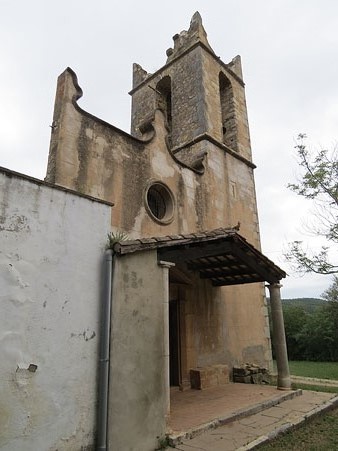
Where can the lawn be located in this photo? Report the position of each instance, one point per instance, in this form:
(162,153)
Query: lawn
(311,387)
(320,370)
(317,434)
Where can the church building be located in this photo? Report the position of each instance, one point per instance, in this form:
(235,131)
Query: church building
(183,297)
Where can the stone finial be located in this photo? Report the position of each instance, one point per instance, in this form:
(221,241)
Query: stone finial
(139,75)
(196,21)
(196,28)
(186,39)
(236,66)
(169,52)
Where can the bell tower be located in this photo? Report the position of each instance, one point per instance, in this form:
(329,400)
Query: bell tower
(201,97)
(189,143)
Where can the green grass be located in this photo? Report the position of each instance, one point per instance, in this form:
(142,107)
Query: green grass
(318,434)
(321,388)
(320,370)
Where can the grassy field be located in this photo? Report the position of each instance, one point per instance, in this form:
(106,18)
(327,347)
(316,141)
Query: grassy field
(321,388)
(320,370)
(320,433)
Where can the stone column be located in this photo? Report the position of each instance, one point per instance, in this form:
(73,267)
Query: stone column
(279,341)
(166,266)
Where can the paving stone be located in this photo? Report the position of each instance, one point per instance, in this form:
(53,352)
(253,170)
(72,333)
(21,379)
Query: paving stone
(243,434)
(275,412)
(260,420)
(221,440)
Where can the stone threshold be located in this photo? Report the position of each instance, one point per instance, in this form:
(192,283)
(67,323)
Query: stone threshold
(176,439)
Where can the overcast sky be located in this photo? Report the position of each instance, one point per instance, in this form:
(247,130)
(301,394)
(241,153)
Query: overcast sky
(289,53)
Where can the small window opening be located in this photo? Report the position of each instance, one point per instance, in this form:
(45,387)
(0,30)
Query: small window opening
(160,203)
(156,203)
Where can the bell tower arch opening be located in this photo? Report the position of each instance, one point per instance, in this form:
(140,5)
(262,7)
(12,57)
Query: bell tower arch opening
(164,101)
(229,125)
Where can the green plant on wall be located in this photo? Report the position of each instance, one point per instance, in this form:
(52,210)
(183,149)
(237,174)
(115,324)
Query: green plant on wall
(116,237)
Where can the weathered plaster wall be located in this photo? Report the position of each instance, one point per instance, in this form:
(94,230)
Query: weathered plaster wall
(52,244)
(224,195)
(137,400)
(112,166)
(222,325)
(248,334)
(100,160)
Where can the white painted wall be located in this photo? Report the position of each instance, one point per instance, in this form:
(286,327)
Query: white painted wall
(51,252)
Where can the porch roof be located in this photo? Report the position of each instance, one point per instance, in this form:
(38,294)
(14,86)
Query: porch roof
(221,255)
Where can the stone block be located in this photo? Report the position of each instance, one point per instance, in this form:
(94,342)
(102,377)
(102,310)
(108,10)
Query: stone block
(240,371)
(243,379)
(209,376)
(266,379)
(251,373)
(257,378)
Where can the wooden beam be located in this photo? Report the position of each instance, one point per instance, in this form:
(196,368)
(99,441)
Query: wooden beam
(236,282)
(263,271)
(220,264)
(194,251)
(214,274)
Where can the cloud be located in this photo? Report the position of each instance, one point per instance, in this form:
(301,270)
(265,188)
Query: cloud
(289,55)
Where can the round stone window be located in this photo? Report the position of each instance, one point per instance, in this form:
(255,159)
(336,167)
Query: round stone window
(160,203)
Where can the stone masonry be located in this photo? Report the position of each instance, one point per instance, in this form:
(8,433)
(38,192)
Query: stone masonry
(188,157)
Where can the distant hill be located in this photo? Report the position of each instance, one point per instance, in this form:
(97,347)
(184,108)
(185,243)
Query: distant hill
(308,304)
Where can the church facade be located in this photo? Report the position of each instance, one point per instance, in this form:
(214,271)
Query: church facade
(186,168)
(184,276)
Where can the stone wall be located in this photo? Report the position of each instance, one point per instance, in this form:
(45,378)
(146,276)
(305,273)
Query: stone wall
(251,374)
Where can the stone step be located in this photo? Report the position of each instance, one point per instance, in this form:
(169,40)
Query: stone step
(250,431)
(176,439)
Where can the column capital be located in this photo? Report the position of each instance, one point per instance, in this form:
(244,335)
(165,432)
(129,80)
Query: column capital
(274,285)
(165,264)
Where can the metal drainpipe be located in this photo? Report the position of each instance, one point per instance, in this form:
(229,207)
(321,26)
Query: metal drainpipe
(103,389)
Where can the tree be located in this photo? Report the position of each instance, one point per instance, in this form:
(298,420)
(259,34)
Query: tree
(295,318)
(317,336)
(312,333)
(318,182)
(331,296)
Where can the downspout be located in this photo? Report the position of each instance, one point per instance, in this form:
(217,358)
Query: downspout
(103,379)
